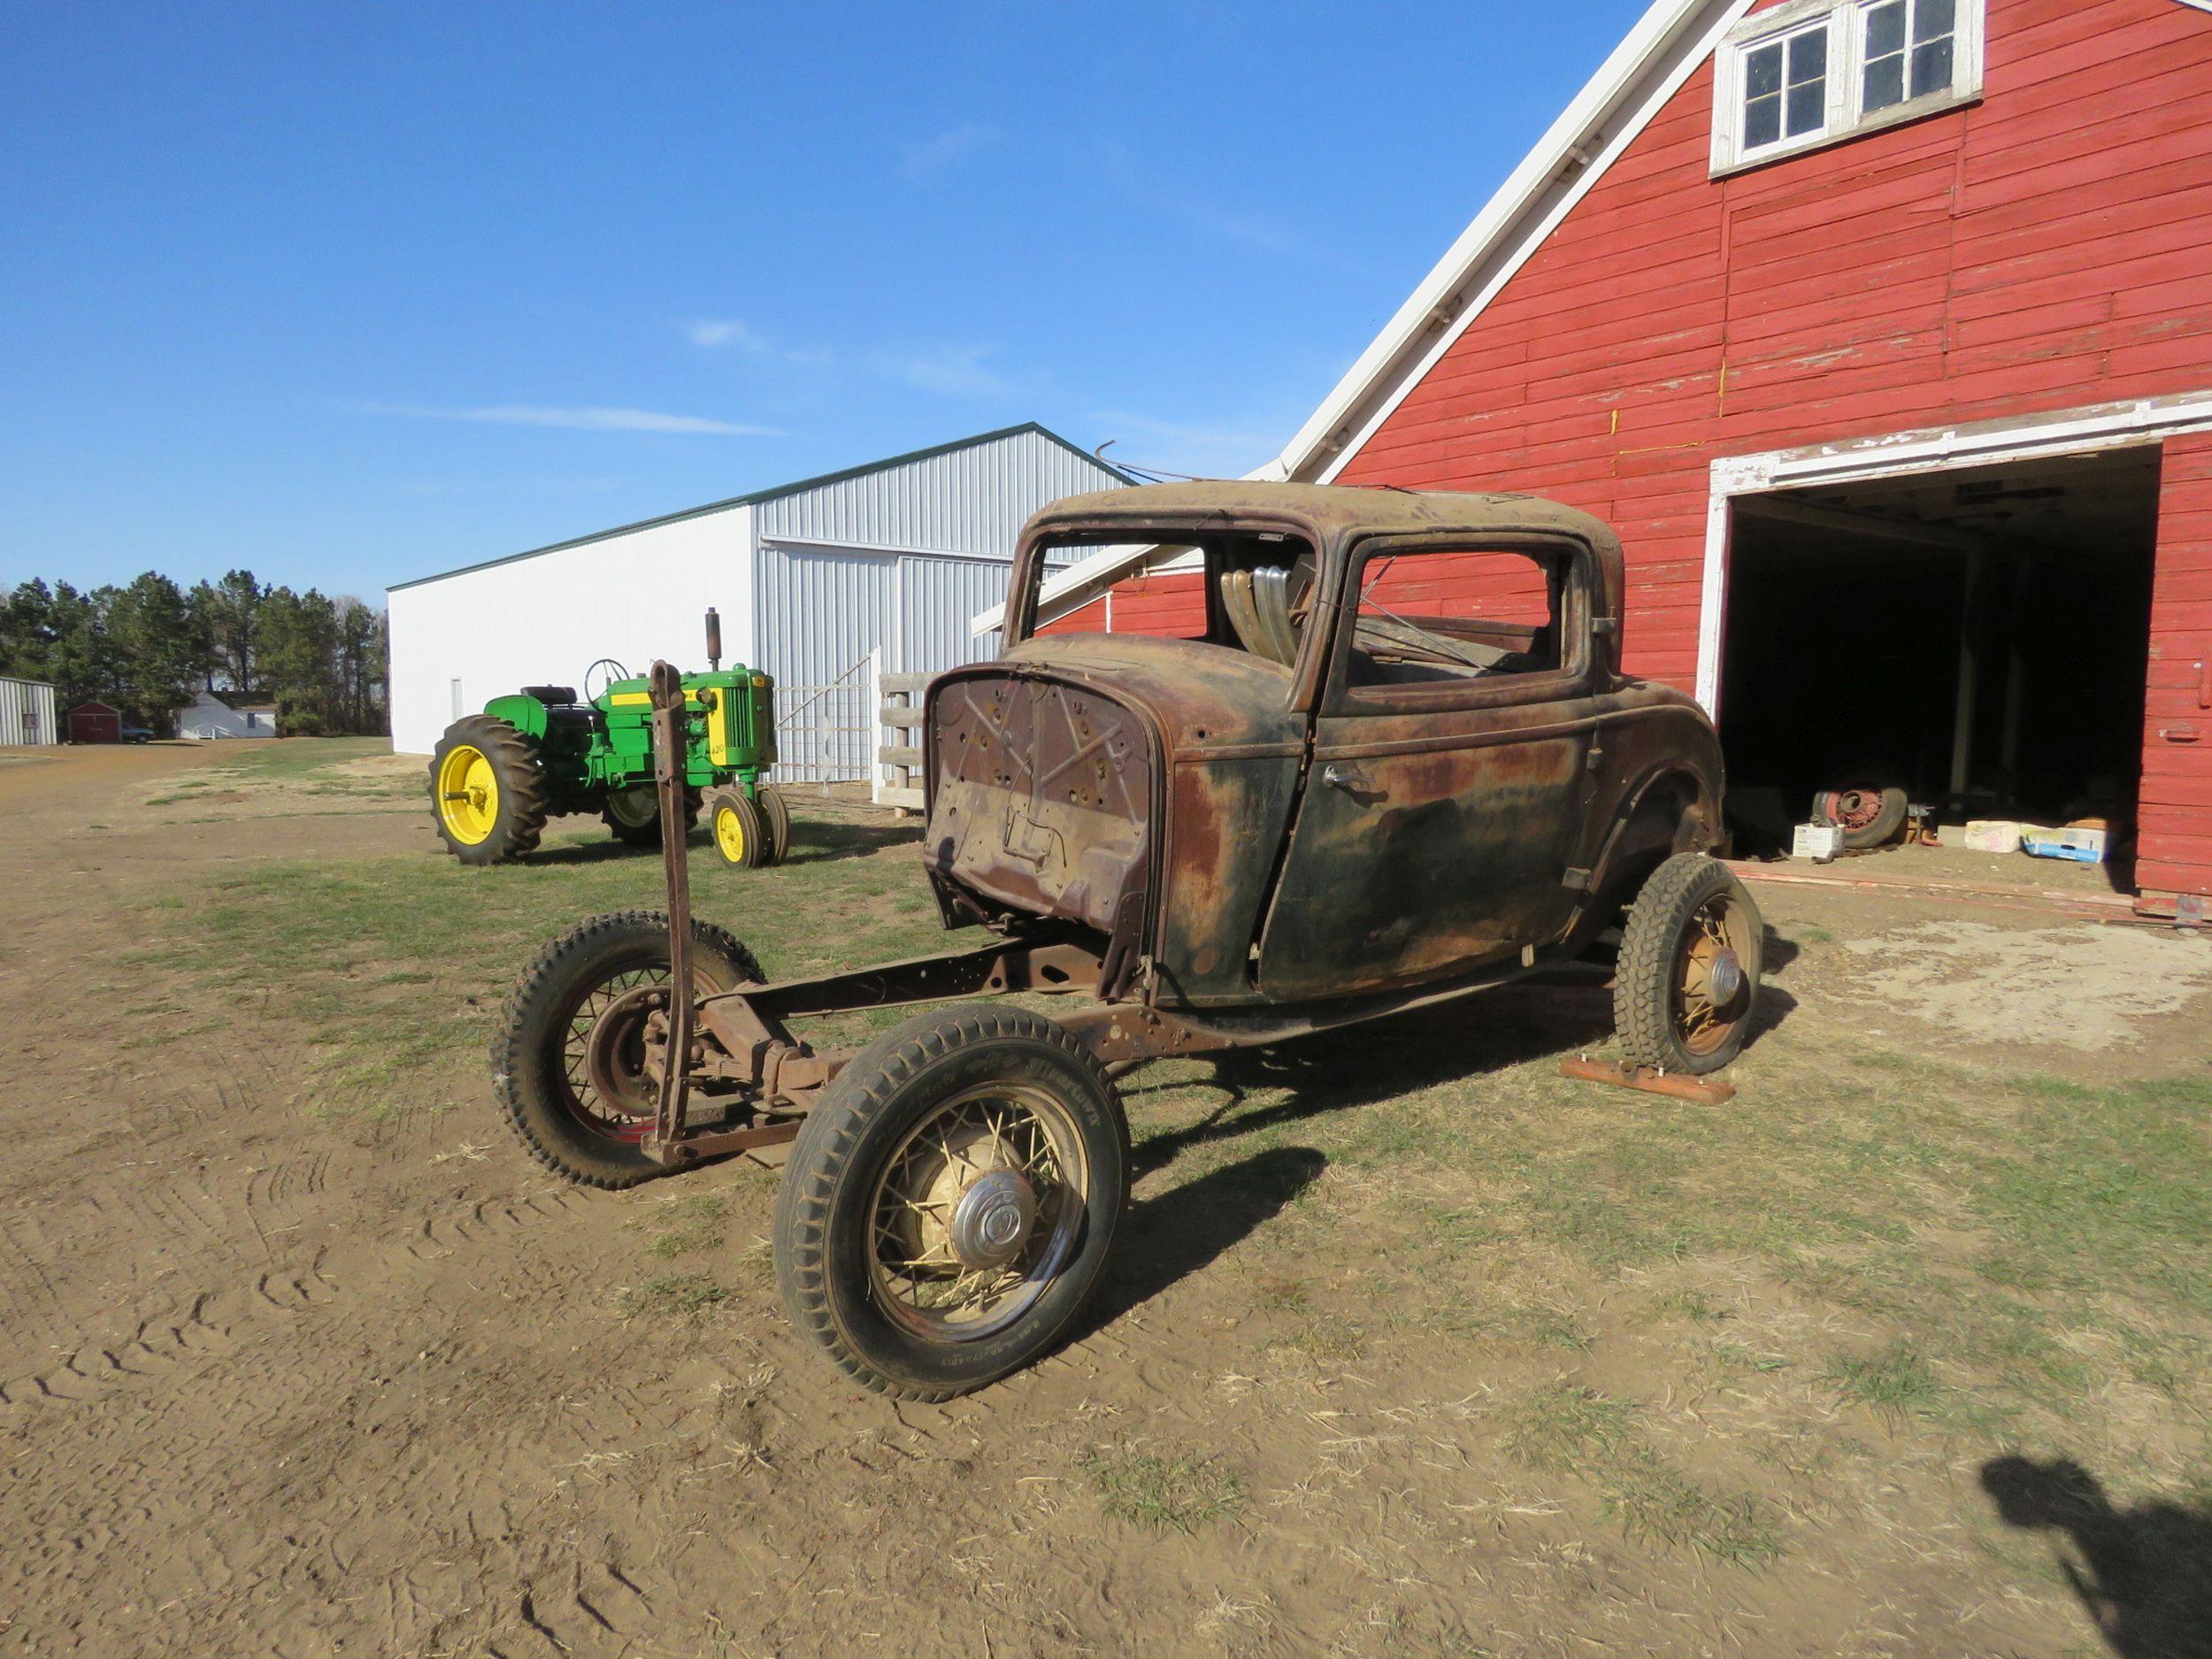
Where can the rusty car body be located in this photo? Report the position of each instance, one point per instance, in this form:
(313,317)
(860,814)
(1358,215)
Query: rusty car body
(1314,810)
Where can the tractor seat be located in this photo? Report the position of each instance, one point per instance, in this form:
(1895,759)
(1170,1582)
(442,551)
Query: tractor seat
(550,694)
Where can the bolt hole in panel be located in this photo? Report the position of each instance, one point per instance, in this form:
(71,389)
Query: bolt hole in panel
(1042,797)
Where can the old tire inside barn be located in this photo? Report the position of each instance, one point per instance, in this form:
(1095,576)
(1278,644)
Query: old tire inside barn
(1688,979)
(486,791)
(739,833)
(776,813)
(950,1205)
(540,1057)
(634,814)
(1869,814)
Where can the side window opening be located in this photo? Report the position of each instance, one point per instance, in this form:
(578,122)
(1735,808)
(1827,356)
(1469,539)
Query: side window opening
(1425,617)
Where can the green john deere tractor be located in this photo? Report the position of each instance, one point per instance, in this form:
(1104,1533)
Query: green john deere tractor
(497,776)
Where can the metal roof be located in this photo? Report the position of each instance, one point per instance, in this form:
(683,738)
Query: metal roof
(776,493)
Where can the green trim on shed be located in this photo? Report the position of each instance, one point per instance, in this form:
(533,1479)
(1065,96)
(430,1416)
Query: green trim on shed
(774,494)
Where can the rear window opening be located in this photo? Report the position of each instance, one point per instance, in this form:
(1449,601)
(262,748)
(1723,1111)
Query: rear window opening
(1251,592)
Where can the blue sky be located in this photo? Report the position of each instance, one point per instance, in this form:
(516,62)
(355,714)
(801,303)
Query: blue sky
(349,294)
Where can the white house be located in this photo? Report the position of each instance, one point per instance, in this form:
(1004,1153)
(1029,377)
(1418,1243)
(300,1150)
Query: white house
(207,716)
(877,569)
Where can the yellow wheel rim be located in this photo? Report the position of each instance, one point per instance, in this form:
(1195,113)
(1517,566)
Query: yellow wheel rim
(468,793)
(729,833)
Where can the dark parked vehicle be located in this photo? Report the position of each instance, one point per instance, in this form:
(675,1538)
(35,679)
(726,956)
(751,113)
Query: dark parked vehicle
(1390,759)
(131,733)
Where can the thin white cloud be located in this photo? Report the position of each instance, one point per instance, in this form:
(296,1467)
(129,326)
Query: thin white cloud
(715,334)
(577,418)
(919,161)
(950,371)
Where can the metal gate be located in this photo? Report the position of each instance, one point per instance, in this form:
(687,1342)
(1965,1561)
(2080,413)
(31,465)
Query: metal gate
(827,734)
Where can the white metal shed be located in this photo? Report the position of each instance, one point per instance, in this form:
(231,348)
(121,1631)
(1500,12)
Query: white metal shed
(825,584)
(27,713)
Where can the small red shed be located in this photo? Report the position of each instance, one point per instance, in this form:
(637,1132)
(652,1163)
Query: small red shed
(1882,332)
(94,723)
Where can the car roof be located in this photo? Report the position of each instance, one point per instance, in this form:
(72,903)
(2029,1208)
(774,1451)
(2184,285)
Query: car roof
(1329,508)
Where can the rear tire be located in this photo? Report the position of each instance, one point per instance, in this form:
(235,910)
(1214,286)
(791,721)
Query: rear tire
(1688,978)
(537,1058)
(634,815)
(960,1134)
(486,791)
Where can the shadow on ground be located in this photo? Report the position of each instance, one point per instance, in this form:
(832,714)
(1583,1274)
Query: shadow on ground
(1178,1232)
(1360,1065)
(816,842)
(2143,1574)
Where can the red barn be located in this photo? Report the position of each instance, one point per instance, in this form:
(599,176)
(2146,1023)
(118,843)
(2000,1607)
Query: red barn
(1882,331)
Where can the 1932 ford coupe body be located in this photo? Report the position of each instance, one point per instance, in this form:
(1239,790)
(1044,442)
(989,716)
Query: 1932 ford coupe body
(1341,753)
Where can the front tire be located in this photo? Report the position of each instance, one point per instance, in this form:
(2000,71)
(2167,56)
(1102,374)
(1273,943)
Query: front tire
(737,829)
(486,791)
(776,814)
(950,1203)
(538,1058)
(1688,979)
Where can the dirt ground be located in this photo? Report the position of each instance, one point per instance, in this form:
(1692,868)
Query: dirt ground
(1412,1349)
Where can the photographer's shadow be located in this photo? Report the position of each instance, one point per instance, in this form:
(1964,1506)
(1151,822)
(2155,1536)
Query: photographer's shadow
(2145,1573)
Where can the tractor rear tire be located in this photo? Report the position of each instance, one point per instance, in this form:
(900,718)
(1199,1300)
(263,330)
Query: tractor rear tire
(738,829)
(488,795)
(1688,983)
(777,814)
(538,1055)
(950,1205)
(634,815)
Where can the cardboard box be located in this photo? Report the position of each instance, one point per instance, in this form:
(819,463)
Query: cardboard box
(1820,842)
(1992,835)
(2075,846)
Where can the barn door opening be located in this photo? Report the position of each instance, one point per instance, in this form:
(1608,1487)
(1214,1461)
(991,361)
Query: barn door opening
(1979,637)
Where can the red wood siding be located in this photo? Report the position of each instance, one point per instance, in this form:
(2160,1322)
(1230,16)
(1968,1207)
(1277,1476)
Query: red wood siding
(1168,605)
(2174,817)
(2047,248)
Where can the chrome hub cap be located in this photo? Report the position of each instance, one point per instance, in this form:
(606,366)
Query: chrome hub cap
(990,1221)
(1724,976)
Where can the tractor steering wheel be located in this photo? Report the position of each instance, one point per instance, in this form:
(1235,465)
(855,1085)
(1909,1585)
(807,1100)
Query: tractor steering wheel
(618,672)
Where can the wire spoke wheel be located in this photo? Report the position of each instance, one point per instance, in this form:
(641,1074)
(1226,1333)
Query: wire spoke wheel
(1712,989)
(949,1204)
(1687,981)
(975,1212)
(570,1059)
(627,1116)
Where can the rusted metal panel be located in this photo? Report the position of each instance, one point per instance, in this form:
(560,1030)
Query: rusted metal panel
(1040,797)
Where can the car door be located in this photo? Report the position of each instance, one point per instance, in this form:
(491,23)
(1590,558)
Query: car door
(1443,802)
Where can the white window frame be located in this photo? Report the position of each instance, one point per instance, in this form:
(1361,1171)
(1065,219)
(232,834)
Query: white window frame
(1846,23)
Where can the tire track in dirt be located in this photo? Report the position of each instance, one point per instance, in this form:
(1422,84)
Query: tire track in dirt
(211,1321)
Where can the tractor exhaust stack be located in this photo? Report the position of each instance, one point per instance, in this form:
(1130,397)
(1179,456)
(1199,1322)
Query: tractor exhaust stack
(714,640)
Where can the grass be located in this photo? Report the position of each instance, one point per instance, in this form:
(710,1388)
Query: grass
(1974,1258)
(672,1295)
(395,966)
(694,1223)
(1179,1492)
(1568,1429)
(1895,1380)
